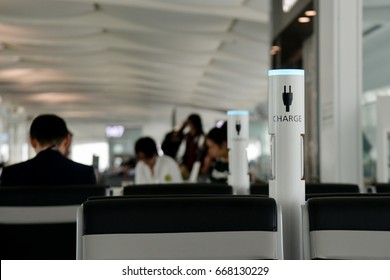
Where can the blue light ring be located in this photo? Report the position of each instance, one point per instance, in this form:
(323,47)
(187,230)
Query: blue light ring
(285,72)
(238,113)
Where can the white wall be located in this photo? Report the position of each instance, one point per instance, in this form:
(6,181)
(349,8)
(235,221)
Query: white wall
(383,128)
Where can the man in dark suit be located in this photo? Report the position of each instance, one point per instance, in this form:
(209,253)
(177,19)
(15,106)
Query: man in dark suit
(51,139)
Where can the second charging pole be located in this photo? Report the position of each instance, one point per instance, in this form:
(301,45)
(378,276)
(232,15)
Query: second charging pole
(286,125)
(238,139)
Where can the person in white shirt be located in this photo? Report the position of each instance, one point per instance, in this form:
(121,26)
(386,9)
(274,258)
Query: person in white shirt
(152,168)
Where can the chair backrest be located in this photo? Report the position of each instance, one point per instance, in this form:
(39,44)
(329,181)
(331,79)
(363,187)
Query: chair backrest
(177,189)
(39,222)
(381,187)
(356,227)
(325,188)
(260,188)
(187,227)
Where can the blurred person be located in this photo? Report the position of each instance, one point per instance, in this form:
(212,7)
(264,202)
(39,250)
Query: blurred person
(186,146)
(152,168)
(51,140)
(171,143)
(121,176)
(128,171)
(218,154)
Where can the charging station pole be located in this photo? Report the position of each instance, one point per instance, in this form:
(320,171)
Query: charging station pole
(286,126)
(238,139)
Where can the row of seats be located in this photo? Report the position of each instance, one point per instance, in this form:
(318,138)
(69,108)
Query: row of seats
(354,226)
(311,189)
(40,222)
(202,225)
(379,188)
(179,227)
(347,227)
(177,189)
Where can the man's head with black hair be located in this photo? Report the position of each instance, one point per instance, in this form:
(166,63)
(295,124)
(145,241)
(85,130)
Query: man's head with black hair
(49,130)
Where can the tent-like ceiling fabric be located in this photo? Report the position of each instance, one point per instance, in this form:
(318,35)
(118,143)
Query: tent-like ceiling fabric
(115,60)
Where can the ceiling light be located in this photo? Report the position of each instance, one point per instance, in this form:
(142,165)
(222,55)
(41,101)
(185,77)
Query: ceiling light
(304,19)
(114,131)
(310,13)
(56,97)
(15,74)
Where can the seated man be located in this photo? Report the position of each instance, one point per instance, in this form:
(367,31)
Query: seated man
(152,168)
(51,139)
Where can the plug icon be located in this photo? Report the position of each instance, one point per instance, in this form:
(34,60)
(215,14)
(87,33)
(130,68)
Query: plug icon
(287,98)
(238,127)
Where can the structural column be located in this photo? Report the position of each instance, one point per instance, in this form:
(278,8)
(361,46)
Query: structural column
(340,87)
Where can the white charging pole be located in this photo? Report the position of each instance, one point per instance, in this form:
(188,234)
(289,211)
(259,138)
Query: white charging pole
(286,125)
(238,138)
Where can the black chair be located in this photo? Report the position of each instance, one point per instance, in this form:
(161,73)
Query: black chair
(178,189)
(259,189)
(381,187)
(39,222)
(318,188)
(326,189)
(355,227)
(181,227)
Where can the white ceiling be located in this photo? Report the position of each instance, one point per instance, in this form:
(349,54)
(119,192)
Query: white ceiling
(132,61)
